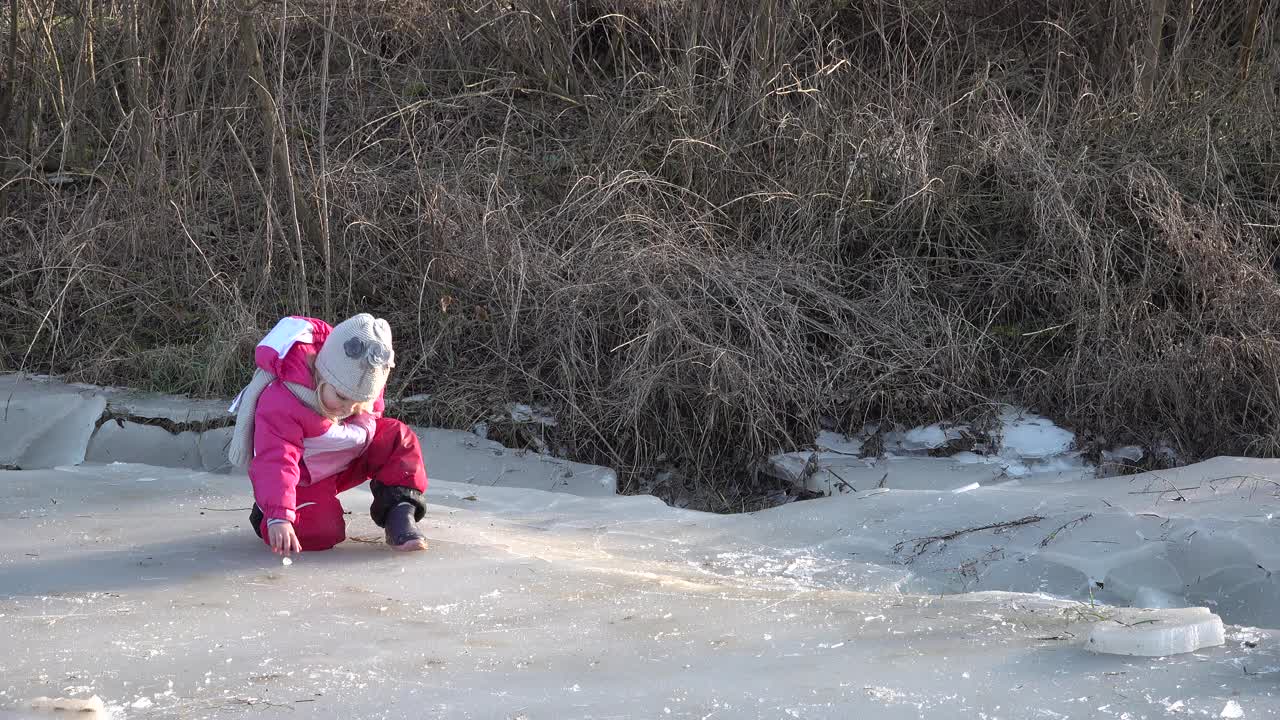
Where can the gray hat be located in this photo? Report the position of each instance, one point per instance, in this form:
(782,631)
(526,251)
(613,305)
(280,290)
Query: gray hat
(357,357)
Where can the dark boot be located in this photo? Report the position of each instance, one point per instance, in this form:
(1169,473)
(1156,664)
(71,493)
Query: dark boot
(402,530)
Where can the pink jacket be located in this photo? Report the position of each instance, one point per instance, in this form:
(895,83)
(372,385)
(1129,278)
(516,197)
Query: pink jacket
(287,433)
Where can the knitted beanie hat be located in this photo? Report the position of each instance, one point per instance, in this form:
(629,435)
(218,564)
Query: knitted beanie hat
(357,357)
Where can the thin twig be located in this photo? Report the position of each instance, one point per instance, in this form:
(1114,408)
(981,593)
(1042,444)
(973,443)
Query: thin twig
(922,544)
(1065,526)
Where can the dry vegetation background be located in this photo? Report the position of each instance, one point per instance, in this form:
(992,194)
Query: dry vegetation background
(697,232)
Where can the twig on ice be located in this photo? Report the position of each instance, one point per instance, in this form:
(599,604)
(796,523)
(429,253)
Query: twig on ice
(1066,526)
(922,544)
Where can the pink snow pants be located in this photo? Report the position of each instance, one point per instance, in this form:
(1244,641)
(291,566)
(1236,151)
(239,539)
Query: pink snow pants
(393,463)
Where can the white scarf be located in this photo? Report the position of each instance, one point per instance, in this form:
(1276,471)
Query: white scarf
(245,406)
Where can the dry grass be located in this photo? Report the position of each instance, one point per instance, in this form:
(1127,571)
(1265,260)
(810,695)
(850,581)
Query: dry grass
(697,234)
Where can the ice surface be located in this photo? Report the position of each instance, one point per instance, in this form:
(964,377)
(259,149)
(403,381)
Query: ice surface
(551,604)
(545,604)
(1156,633)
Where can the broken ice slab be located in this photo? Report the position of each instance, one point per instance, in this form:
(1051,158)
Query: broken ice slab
(84,709)
(135,442)
(162,430)
(45,424)
(837,443)
(1231,710)
(460,456)
(1156,633)
(835,474)
(1030,436)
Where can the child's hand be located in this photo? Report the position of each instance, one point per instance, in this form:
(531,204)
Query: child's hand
(283,539)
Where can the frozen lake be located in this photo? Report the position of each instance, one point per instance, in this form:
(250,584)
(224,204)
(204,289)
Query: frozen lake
(543,597)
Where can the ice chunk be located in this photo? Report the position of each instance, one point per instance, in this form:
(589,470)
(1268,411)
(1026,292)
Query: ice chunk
(966,457)
(924,438)
(465,457)
(286,562)
(1157,633)
(135,442)
(837,443)
(1025,435)
(1131,453)
(91,707)
(1232,710)
(45,425)
(521,413)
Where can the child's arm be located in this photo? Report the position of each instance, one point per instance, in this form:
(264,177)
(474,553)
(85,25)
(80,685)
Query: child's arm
(274,471)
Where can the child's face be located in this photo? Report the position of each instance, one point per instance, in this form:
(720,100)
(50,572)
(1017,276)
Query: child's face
(337,404)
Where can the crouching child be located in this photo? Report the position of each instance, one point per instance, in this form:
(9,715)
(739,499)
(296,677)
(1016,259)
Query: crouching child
(310,426)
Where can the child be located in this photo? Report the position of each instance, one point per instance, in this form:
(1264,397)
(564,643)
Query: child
(310,426)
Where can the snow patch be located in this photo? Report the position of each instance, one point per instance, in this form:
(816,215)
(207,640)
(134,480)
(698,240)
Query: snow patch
(837,443)
(1026,436)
